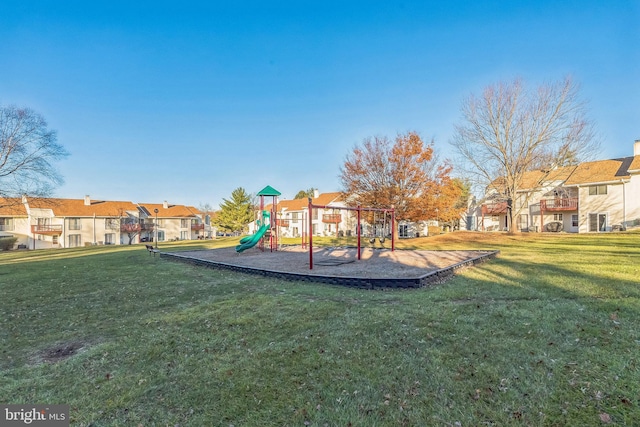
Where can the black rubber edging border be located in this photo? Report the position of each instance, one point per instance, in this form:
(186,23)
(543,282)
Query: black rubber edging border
(432,277)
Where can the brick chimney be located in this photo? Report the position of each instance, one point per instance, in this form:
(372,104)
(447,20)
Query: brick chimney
(636,148)
(87,200)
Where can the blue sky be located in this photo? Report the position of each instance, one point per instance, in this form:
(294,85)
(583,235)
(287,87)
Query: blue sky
(185,101)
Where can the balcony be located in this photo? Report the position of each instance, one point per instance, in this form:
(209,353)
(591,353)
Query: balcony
(197,227)
(135,227)
(499,208)
(51,230)
(282,222)
(332,218)
(559,204)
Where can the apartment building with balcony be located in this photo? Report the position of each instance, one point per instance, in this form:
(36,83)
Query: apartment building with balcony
(63,223)
(175,222)
(331,221)
(293,216)
(597,196)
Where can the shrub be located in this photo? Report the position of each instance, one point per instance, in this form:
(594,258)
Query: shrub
(6,243)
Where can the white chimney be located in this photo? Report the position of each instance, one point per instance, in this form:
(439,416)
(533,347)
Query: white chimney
(636,148)
(316,193)
(87,200)
(24,199)
(165,205)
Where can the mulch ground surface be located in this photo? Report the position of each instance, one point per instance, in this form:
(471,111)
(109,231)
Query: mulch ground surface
(340,261)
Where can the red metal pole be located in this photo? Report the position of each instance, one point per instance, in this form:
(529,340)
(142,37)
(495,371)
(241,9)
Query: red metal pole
(358,231)
(393,230)
(309,216)
(273,223)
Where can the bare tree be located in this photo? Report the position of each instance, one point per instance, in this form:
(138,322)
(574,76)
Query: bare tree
(510,130)
(27,150)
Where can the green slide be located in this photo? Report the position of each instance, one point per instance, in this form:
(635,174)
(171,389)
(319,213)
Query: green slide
(250,241)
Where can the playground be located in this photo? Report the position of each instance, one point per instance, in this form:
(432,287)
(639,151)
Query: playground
(360,266)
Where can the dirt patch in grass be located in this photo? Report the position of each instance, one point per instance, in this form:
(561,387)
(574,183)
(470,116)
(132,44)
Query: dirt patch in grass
(60,352)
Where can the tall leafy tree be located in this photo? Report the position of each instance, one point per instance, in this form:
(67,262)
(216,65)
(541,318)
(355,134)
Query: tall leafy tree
(236,212)
(510,130)
(303,194)
(28,149)
(404,173)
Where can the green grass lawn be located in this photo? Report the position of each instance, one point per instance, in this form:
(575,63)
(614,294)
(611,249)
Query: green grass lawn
(547,334)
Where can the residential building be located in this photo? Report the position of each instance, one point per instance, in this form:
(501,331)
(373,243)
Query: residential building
(175,222)
(293,216)
(329,220)
(597,196)
(63,223)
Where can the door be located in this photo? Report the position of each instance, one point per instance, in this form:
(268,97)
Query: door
(524,222)
(597,222)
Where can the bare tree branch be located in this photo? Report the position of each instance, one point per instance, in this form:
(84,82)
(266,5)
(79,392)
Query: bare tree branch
(27,150)
(510,131)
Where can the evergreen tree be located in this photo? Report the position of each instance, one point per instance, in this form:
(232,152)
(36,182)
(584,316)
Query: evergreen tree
(303,194)
(235,213)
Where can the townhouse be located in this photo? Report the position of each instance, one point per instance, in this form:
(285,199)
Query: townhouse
(293,216)
(597,196)
(329,220)
(62,223)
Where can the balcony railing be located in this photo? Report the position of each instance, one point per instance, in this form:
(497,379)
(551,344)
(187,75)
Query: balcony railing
(196,227)
(46,229)
(559,204)
(282,222)
(332,218)
(494,208)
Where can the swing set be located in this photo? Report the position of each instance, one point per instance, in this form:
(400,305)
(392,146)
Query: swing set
(359,211)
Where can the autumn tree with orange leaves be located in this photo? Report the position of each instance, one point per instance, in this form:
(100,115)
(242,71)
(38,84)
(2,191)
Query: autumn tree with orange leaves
(404,173)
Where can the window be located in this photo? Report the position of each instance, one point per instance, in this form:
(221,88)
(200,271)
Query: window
(596,190)
(184,235)
(110,239)
(315,214)
(110,223)
(74,240)
(403,230)
(54,239)
(574,221)
(557,217)
(74,223)
(6,224)
(184,223)
(161,223)
(294,217)
(523,202)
